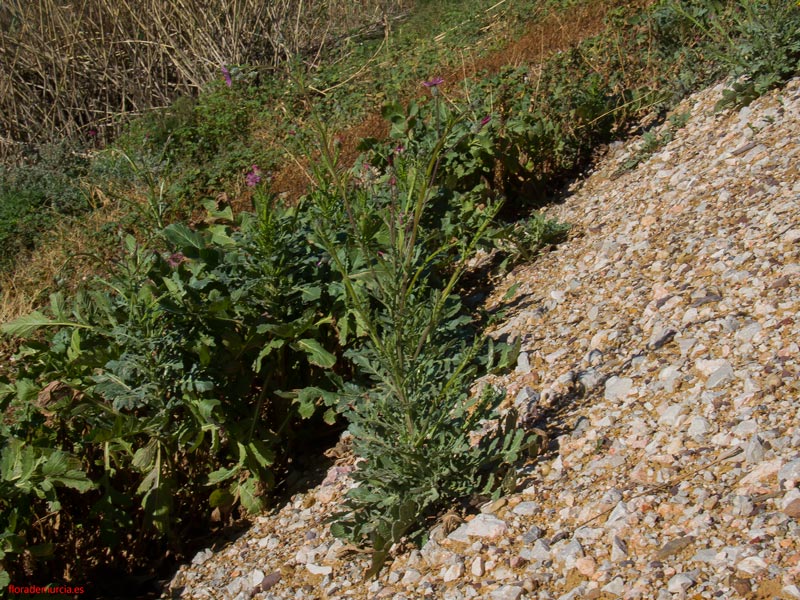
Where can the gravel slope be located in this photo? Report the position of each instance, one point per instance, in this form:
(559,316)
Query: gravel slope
(661,354)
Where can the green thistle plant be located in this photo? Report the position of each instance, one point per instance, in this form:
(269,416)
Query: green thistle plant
(418,353)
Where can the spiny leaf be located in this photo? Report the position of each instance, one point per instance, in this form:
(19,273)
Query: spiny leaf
(26,325)
(143,458)
(263,455)
(329,416)
(247,494)
(57,463)
(316,354)
(76,480)
(221,475)
(183,237)
(27,391)
(225,214)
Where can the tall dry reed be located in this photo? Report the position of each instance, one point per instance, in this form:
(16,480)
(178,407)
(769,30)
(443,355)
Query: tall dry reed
(76,67)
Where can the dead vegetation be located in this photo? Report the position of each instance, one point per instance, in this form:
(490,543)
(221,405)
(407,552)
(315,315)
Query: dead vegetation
(76,68)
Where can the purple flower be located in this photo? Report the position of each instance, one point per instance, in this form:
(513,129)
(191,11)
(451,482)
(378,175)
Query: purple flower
(227,75)
(485,120)
(253,178)
(176,260)
(399,149)
(433,82)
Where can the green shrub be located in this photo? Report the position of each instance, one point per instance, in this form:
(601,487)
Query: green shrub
(30,476)
(756,42)
(35,194)
(185,372)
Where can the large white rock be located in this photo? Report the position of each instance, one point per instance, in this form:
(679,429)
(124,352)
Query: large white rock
(486,526)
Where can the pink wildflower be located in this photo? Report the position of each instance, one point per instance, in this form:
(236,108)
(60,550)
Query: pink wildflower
(253,178)
(176,260)
(227,75)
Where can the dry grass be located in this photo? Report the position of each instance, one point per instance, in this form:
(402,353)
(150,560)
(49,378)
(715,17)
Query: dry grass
(80,65)
(70,254)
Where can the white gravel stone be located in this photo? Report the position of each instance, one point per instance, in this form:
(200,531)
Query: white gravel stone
(708,367)
(720,377)
(460,534)
(523,364)
(411,577)
(618,515)
(541,551)
(789,474)
(453,572)
(743,506)
(202,556)
(526,509)
(679,583)
(507,592)
(762,475)
(486,526)
(699,428)
(617,388)
(752,565)
(319,569)
(435,555)
(673,415)
(790,503)
(615,587)
(567,553)
(478,567)
(754,451)
(791,590)
(705,555)
(748,332)
(619,549)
